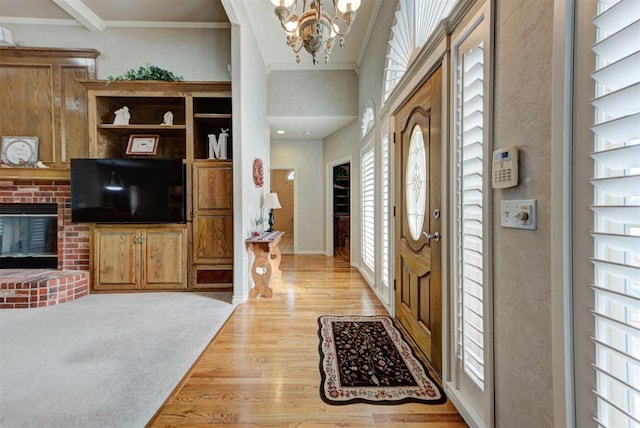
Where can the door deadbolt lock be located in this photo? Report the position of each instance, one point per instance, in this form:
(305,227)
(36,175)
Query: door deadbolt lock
(436,214)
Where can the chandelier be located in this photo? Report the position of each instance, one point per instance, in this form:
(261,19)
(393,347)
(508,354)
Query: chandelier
(313,28)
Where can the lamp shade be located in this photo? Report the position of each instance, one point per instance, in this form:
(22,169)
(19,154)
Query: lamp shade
(271,201)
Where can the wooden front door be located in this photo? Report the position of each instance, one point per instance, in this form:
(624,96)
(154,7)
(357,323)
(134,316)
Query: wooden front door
(418,206)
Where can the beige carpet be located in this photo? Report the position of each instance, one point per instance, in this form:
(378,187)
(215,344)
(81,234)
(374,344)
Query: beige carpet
(107,360)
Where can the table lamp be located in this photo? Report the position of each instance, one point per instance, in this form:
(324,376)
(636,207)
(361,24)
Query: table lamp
(271,202)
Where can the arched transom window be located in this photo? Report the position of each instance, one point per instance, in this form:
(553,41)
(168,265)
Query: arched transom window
(415,20)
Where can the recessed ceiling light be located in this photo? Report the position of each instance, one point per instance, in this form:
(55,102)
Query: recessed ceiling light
(280,131)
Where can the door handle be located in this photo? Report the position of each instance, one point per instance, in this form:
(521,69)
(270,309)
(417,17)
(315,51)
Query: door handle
(435,236)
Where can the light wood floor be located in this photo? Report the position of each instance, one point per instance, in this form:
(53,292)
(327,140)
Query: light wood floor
(286,244)
(262,369)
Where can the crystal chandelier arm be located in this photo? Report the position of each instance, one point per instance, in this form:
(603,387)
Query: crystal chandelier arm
(345,20)
(288,16)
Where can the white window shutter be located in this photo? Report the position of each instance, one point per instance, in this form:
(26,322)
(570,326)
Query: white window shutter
(368,208)
(469,214)
(385,193)
(616,207)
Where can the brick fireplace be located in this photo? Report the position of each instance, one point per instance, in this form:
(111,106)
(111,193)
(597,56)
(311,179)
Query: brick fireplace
(29,288)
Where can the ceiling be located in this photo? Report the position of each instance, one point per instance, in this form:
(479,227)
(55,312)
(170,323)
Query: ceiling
(96,15)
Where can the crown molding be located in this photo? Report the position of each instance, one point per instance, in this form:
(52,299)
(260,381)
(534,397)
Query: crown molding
(117,24)
(39,21)
(169,24)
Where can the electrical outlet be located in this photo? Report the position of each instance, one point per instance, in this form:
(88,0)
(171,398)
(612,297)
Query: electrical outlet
(519,214)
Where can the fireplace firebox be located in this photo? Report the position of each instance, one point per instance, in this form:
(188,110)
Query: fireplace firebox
(28,236)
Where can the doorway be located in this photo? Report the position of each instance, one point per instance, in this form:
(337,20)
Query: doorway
(418,247)
(342,211)
(282,183)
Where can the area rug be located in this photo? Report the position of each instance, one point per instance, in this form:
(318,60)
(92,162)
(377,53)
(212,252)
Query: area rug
(103,361)
(366,360)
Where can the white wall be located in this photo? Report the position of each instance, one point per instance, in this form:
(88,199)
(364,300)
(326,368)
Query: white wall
(195,54)
(306,156)
(349,140)
(251,125)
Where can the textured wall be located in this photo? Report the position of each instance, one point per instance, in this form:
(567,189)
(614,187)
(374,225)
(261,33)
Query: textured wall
(347,141)
(196,54)
(313,93)
(522,289)
(373,62)
(306,156)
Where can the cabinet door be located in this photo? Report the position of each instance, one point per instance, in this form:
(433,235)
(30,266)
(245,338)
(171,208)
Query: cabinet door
(213,238)
(73,114)
(164,255)
(40,96)
(27,104)
(115,259)
(213,186)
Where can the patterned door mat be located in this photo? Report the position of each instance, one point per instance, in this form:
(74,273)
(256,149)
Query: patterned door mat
(366,360)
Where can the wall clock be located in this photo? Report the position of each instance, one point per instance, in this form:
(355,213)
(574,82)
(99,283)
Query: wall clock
(18,151)
(258,173)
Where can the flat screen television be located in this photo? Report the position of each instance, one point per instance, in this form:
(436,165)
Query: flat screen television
(149,190)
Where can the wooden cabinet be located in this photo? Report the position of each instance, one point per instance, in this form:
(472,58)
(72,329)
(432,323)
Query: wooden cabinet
(199,110)
(212,224)
(129,258)
(40,96)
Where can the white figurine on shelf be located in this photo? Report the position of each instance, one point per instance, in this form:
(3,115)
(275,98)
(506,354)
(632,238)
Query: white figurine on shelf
(218,148)
(168,119)
(122,116)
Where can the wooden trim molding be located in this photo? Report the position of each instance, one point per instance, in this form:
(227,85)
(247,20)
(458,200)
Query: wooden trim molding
(29,52)
(27,174)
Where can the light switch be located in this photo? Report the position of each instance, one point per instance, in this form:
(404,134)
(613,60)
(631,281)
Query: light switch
(519,214)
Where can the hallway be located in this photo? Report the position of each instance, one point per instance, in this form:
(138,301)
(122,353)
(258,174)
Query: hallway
(262,368)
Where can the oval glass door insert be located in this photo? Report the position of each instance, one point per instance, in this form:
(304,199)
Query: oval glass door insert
(416,183)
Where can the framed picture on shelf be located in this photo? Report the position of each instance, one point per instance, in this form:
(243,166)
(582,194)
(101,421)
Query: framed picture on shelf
(142,144)
(20,151)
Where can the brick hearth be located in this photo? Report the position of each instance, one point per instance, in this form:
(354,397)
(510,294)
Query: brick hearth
(34,288)
(38,287)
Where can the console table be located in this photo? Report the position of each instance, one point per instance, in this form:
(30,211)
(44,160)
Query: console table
(266,263)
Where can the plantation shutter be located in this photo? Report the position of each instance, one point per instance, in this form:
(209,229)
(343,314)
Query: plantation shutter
(469,214)
(385,207)
(616,207)
(368,208)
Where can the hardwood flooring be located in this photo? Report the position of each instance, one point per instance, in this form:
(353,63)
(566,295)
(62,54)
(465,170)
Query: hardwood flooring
(286,244)
(262,369)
